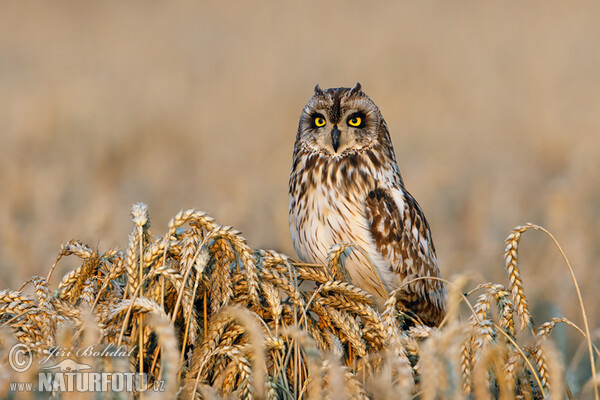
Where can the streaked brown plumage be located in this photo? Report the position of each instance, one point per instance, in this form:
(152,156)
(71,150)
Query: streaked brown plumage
(345,186)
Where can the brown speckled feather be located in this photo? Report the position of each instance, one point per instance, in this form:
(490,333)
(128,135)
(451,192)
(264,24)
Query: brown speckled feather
(403,238)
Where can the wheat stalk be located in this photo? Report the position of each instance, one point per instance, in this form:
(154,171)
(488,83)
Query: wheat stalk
(516,283)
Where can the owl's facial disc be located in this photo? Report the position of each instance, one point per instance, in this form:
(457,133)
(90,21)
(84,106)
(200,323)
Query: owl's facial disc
(352,131)
(339,121)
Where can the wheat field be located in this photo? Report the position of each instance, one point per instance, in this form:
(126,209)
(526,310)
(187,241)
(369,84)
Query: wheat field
(216,319)
(493,110)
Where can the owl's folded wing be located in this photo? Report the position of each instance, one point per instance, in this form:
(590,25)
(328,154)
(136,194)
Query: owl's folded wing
(402,236)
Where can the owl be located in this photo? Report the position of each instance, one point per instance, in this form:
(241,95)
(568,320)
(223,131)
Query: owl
(345,186)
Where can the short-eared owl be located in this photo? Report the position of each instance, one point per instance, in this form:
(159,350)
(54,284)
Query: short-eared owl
(345,186)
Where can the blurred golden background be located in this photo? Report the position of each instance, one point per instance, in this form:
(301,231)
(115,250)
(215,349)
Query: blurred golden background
(494,111)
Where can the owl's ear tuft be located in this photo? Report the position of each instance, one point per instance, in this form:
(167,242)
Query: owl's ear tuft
(318,90)
(356,89)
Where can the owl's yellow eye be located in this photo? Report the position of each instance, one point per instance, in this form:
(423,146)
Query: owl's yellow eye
(319,121)
(355,121)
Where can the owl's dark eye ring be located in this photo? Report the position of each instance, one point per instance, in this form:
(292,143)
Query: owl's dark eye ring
(319,121)
(355,120)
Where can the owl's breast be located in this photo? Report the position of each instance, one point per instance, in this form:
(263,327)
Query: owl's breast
(327,207)
(324,218)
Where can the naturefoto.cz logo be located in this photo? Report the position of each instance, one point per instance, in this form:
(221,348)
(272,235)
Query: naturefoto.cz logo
(69,375)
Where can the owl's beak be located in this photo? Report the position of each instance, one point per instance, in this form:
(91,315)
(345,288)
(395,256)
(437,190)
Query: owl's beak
(335,138)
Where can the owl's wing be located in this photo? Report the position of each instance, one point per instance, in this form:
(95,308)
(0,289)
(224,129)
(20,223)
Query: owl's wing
(402,236)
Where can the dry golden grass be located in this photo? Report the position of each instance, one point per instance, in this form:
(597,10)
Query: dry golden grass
(214,318)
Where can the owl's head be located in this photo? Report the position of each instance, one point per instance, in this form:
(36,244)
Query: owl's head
(339,121)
